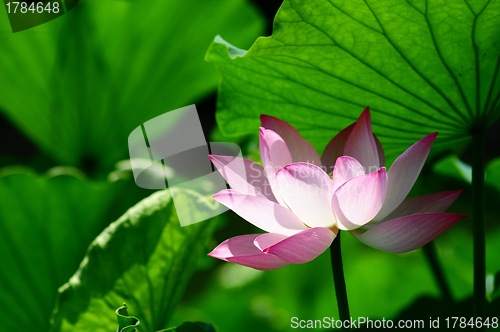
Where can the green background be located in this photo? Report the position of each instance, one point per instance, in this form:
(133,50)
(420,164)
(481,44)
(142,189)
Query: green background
(80,238)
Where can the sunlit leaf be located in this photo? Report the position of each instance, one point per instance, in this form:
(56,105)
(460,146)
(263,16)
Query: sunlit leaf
(78,85)
(493,174)
(421,66)
(143,259)
(452,166)
(126,323)
(47,223)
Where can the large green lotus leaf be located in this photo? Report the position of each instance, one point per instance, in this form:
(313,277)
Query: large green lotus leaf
(493,174)
(78,85)
(421,66)
(47,222)
(144,259)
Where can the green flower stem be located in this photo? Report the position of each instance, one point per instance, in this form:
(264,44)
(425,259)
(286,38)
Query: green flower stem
(338,279)
(430,254)
(478,209)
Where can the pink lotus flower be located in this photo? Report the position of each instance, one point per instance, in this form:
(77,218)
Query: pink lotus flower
(293,198)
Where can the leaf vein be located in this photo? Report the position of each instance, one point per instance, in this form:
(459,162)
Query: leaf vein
(450,72)
(392,81)
(370,91)
(352,18)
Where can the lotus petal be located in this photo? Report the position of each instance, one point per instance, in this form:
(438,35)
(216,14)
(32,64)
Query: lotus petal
(241,250)
(358,200)
(300,149)
(301,247)
(244,176)
(436,202)
(403,174)
(261,212)
(361,144)
(307,190)
(407,233)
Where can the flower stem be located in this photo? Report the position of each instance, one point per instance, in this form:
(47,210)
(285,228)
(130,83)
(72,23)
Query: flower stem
(478,209)
(338,279)
(430,254)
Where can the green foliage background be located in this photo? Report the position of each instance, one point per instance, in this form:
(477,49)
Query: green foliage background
(80,238)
